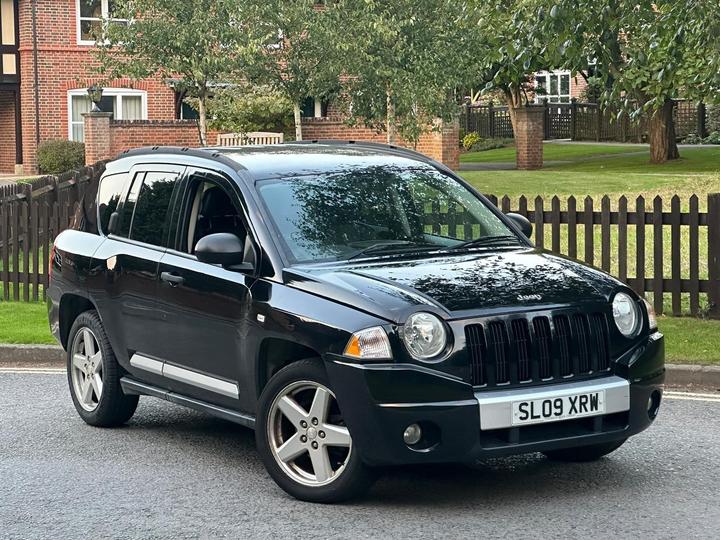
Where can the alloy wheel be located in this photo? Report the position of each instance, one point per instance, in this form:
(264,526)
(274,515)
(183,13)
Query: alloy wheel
(87,369)
(307,435)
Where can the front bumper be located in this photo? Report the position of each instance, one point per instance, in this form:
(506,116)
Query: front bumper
(379,401)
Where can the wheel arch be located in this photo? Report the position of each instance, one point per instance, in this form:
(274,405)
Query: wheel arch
(71,306)
(276,353)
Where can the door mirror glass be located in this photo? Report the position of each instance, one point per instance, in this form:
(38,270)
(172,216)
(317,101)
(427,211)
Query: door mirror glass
(225,249)
(522,222)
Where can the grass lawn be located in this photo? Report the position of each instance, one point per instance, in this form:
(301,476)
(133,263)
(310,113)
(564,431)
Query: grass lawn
(689,341)
(552,152)
(22,322)
(698,171)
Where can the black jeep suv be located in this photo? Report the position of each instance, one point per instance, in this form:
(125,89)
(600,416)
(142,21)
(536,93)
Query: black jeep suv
(358,305)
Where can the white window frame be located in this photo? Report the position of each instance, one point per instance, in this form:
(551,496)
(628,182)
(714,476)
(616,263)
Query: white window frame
(118,93)
(105,16)
(547,74)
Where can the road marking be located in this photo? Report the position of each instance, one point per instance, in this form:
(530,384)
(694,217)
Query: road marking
(36,371)
(691,396)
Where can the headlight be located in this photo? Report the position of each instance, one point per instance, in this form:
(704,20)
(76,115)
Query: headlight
(424,335)
(652,319)
(625,313)
(369,344)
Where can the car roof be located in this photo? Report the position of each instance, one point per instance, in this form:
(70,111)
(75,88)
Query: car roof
(303,159)
(299,158)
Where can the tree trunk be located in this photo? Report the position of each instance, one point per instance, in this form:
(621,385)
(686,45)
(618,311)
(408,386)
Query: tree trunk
(298,121)
(661,132)
(202,119)
(390,127)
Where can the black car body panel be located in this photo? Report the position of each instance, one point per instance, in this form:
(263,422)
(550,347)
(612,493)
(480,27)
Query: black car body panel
(220,328)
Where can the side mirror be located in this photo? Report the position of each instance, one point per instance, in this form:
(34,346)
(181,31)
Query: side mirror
(113,223)
(522,222)
(225,249)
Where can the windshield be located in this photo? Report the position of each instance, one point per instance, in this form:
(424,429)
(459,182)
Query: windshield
(377,210)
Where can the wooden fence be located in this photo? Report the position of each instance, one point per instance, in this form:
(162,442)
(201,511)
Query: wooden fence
(668,248)
(675,252)
(584,122)
(32,214)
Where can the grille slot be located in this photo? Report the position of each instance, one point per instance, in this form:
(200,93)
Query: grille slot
(537,349)
(600,334)
(475,339)
(562,334)
(543,340)
(521,337)
(498,347)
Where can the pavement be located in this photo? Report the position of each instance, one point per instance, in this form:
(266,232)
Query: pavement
(176,473)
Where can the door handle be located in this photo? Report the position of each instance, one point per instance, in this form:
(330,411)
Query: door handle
(172,279)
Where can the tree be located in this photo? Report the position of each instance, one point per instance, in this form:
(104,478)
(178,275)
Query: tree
(292,58)
(648,52)
(195,42)
(401,62)
(243,107)
(511,43)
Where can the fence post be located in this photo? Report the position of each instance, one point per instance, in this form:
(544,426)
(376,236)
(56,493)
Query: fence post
(491,119)
(573,118)
(546,119)
(701,127)
(713,223)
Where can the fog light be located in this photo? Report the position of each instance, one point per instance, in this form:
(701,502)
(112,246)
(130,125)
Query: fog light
(413,434)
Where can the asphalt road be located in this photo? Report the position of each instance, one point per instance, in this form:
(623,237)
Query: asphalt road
(175,473)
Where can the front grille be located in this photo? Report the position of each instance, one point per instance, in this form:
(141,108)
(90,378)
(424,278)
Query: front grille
(537,349)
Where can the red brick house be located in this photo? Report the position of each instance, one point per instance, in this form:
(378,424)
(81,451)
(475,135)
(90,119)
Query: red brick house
(47,45)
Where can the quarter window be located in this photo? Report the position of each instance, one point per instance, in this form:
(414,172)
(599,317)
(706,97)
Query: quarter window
(92,14)
(109,194)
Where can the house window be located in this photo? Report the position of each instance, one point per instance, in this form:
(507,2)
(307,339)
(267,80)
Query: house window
(8,42)
(124,104)
(314,108)
(91,15)
(553,86)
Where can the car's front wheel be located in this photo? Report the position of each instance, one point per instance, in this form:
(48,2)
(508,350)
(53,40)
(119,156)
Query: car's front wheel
(591,452)
(302,438)
(94,375)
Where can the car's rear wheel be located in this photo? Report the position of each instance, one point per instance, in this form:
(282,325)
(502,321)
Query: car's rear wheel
(591,452)
(94,375)
(303,440)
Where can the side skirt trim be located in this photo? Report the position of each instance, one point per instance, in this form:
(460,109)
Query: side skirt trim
(187,376)
(131,386)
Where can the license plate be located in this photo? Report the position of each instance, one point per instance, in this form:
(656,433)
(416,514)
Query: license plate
(553,409)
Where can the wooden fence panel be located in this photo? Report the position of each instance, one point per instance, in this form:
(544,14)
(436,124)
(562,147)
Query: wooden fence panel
(622,239)
(694,255)
(658,268)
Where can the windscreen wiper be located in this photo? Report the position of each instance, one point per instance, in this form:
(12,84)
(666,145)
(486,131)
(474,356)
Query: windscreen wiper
(507,239)
(383,246)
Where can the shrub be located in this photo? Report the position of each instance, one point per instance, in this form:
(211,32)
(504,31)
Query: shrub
(692,138)
(56,157)
(490,144)
(470,140)
(713,138)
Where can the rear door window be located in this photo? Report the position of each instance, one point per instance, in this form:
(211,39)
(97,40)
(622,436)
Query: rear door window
(151,204)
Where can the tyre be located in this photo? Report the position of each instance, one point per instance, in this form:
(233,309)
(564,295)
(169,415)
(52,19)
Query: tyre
(302,438)
(591,452)
(94,375)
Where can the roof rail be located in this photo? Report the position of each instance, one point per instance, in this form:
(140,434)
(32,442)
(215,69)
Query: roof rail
(206,153)
(388,148)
